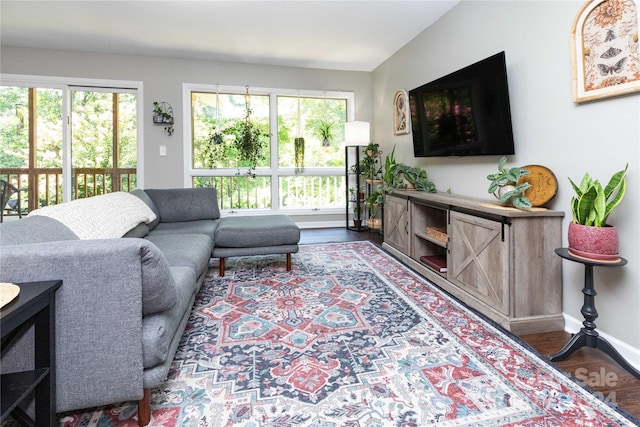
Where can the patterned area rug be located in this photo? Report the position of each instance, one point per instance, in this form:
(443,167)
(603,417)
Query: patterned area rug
(350,337)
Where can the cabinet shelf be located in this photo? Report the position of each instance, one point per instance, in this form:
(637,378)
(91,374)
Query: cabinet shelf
(18,385)
(433,240)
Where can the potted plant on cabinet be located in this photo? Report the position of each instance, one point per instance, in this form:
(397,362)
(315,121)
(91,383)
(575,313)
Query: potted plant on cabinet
(504,185)
(589,234)
(407,177)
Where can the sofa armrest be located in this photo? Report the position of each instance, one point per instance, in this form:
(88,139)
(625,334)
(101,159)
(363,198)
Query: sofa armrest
(98,316)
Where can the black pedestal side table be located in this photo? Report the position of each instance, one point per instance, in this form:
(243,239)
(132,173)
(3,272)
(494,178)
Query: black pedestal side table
(588,336)
(35,305)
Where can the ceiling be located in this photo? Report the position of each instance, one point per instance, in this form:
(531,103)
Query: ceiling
(340,35)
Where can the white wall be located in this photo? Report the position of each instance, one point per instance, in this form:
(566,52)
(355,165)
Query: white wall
(549,129)
(162,81)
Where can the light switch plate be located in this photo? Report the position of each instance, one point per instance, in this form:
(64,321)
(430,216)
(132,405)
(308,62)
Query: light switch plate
(163,150)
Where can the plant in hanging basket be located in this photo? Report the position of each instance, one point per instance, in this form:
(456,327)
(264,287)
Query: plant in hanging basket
(589,234)
(298,145)
(325,132)
(250,139)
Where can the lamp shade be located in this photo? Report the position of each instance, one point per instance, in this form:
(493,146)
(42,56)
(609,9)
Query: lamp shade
(356,133)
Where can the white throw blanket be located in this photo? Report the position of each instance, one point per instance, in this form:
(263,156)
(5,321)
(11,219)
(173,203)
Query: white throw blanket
(106,216)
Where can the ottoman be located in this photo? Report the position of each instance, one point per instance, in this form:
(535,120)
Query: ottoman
(255,235)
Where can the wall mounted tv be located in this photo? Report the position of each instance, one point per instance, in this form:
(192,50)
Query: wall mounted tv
(465,113)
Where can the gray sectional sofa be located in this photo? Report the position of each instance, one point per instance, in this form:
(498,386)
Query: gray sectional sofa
(124,302)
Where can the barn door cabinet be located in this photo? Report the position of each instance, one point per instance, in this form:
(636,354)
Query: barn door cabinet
(496,259)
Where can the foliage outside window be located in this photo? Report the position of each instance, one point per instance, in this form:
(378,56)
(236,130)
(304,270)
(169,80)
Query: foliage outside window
(103,142)
(318,117)
(218,124)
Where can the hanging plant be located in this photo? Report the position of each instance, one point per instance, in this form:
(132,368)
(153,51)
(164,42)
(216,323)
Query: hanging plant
(299,154)
(325,128)
(216,136)
(250,138)
(298,144)
(325,132)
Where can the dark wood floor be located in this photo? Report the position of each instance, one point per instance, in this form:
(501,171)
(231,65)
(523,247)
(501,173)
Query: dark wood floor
(591,366)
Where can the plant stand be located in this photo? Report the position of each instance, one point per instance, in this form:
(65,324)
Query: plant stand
(352,157)
(588,336)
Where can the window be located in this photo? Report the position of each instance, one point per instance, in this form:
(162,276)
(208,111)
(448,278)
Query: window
(288,175)
(103,142)
(100,138)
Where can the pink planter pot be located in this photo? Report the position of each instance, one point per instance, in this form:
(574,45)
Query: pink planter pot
(599,243)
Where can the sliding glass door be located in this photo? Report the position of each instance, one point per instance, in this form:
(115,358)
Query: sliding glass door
(62,143)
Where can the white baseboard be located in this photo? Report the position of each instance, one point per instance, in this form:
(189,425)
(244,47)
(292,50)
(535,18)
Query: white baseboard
(320,224)
(630,353)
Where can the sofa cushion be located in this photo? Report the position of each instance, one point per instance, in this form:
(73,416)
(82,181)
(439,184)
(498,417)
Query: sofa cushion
(158,286)
(250,231)
(185,250)
(185,204)
(34,229)
(202,226)
(139,231)
(158,329)
(145,198)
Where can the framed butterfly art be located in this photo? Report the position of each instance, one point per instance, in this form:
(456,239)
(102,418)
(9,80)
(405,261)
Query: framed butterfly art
(604,49)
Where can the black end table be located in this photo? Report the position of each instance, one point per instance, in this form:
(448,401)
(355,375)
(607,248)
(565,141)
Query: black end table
(588,336)
(35,305)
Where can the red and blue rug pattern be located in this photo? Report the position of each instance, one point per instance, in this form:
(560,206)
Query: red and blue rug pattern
(350,337)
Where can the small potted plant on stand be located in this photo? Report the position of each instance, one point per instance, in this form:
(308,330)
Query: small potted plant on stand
(357,220)
(589,234)
(374,200)
(370,166)
(504,186)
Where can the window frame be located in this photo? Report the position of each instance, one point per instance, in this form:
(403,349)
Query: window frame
(274,171)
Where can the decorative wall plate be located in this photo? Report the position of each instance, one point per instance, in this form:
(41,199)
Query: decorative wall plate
(544,184)
(8,291)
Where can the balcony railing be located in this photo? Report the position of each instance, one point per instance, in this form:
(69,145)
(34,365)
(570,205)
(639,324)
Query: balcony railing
(44,185)
(44,188)
(294,192)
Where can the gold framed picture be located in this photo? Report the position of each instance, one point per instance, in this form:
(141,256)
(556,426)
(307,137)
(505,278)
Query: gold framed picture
(400,113)
(604,50)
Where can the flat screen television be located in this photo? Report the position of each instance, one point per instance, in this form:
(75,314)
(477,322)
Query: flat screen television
(465,113)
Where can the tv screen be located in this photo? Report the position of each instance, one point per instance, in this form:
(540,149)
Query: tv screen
(465,113)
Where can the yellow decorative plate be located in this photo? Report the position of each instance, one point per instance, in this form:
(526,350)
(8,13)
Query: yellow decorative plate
(544,184)
(8,291)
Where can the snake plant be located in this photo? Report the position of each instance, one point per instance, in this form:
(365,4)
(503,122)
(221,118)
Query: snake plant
(592,204)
